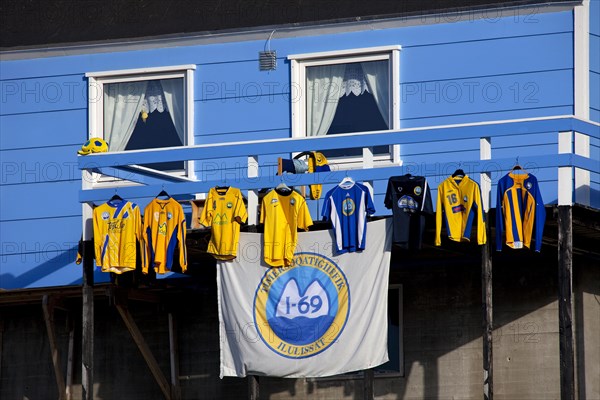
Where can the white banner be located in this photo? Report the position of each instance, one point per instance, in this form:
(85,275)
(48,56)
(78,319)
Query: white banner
(325,315)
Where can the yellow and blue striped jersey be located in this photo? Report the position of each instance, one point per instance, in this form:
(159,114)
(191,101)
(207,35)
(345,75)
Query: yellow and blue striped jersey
(519,212)
(458,206)
(164,234)
(224,211)
(117,226)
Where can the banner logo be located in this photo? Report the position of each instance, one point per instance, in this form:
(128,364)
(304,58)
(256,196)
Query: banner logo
(299,311)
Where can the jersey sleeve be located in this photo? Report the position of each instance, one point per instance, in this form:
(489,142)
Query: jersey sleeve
(370,205)
(438,215)
(478,203)
(98,238)
(181,233)
(263,209)
(304,218)
(388,200)
(240,212)
(427,202)
(146,227)
(326,212)
(500,215)
(139,234)
(540,217)
(206,215)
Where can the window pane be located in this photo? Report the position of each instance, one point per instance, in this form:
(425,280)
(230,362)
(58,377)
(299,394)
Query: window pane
(347,98)
(393,365)
(145,115)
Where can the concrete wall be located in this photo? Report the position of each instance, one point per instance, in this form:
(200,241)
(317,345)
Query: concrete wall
(442,325)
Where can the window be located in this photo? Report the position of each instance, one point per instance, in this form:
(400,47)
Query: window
(344,92)
(395,333)
(395,366)
(144,109)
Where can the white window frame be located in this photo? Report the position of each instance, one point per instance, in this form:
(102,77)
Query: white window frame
(96,82)
(299,62)
(400,373)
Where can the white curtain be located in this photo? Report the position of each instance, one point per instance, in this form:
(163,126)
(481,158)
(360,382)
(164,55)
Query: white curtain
(323,87)
(122,106)
(378,82)
(354,80)
(154,100)
(173,95)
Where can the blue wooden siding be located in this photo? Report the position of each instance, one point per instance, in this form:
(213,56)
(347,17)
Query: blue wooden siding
(595,60)
(595,176)
(43,130)
(504,67)
(595,94)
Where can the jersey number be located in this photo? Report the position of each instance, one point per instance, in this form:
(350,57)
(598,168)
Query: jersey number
(452,198)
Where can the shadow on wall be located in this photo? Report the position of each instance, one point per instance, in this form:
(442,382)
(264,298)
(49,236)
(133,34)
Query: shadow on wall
(41,272)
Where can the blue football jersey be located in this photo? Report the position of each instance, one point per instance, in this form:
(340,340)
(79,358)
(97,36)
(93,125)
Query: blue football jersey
(347,207)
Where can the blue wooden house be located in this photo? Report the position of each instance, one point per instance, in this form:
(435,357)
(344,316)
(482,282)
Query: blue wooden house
(380,90)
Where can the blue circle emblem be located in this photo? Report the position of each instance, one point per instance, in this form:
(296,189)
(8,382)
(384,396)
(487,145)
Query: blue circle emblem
(300,310)
(348,206)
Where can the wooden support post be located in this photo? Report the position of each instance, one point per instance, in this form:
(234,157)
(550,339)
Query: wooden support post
(488,322)
(485,153)
(174,352)
(48,307)
(1,333)
(565,303)
(368,383)
(253,384)
(87,323)
(144,349)
(253,387)
(69,382)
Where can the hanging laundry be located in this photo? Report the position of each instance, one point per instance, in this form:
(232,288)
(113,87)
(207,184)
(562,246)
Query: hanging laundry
(459,205)
(117,225)
(224,212)
(283,212)
(520,212)
(409,197)
(347,206)
(164,233)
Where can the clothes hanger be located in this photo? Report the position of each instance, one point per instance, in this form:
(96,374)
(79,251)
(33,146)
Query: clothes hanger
(459,172)
(347,181)
(163,192)
(282,188)
(224,187)
(116,197)
(518,167)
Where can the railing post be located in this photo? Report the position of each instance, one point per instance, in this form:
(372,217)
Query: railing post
(87,321)
(565,174)
(367,163)
(252,194)
(582,176)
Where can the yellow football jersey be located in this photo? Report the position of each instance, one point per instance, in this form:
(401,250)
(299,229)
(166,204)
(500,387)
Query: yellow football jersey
(117,225)
(459,205)
(282,215)
(224,211)
(164,234)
